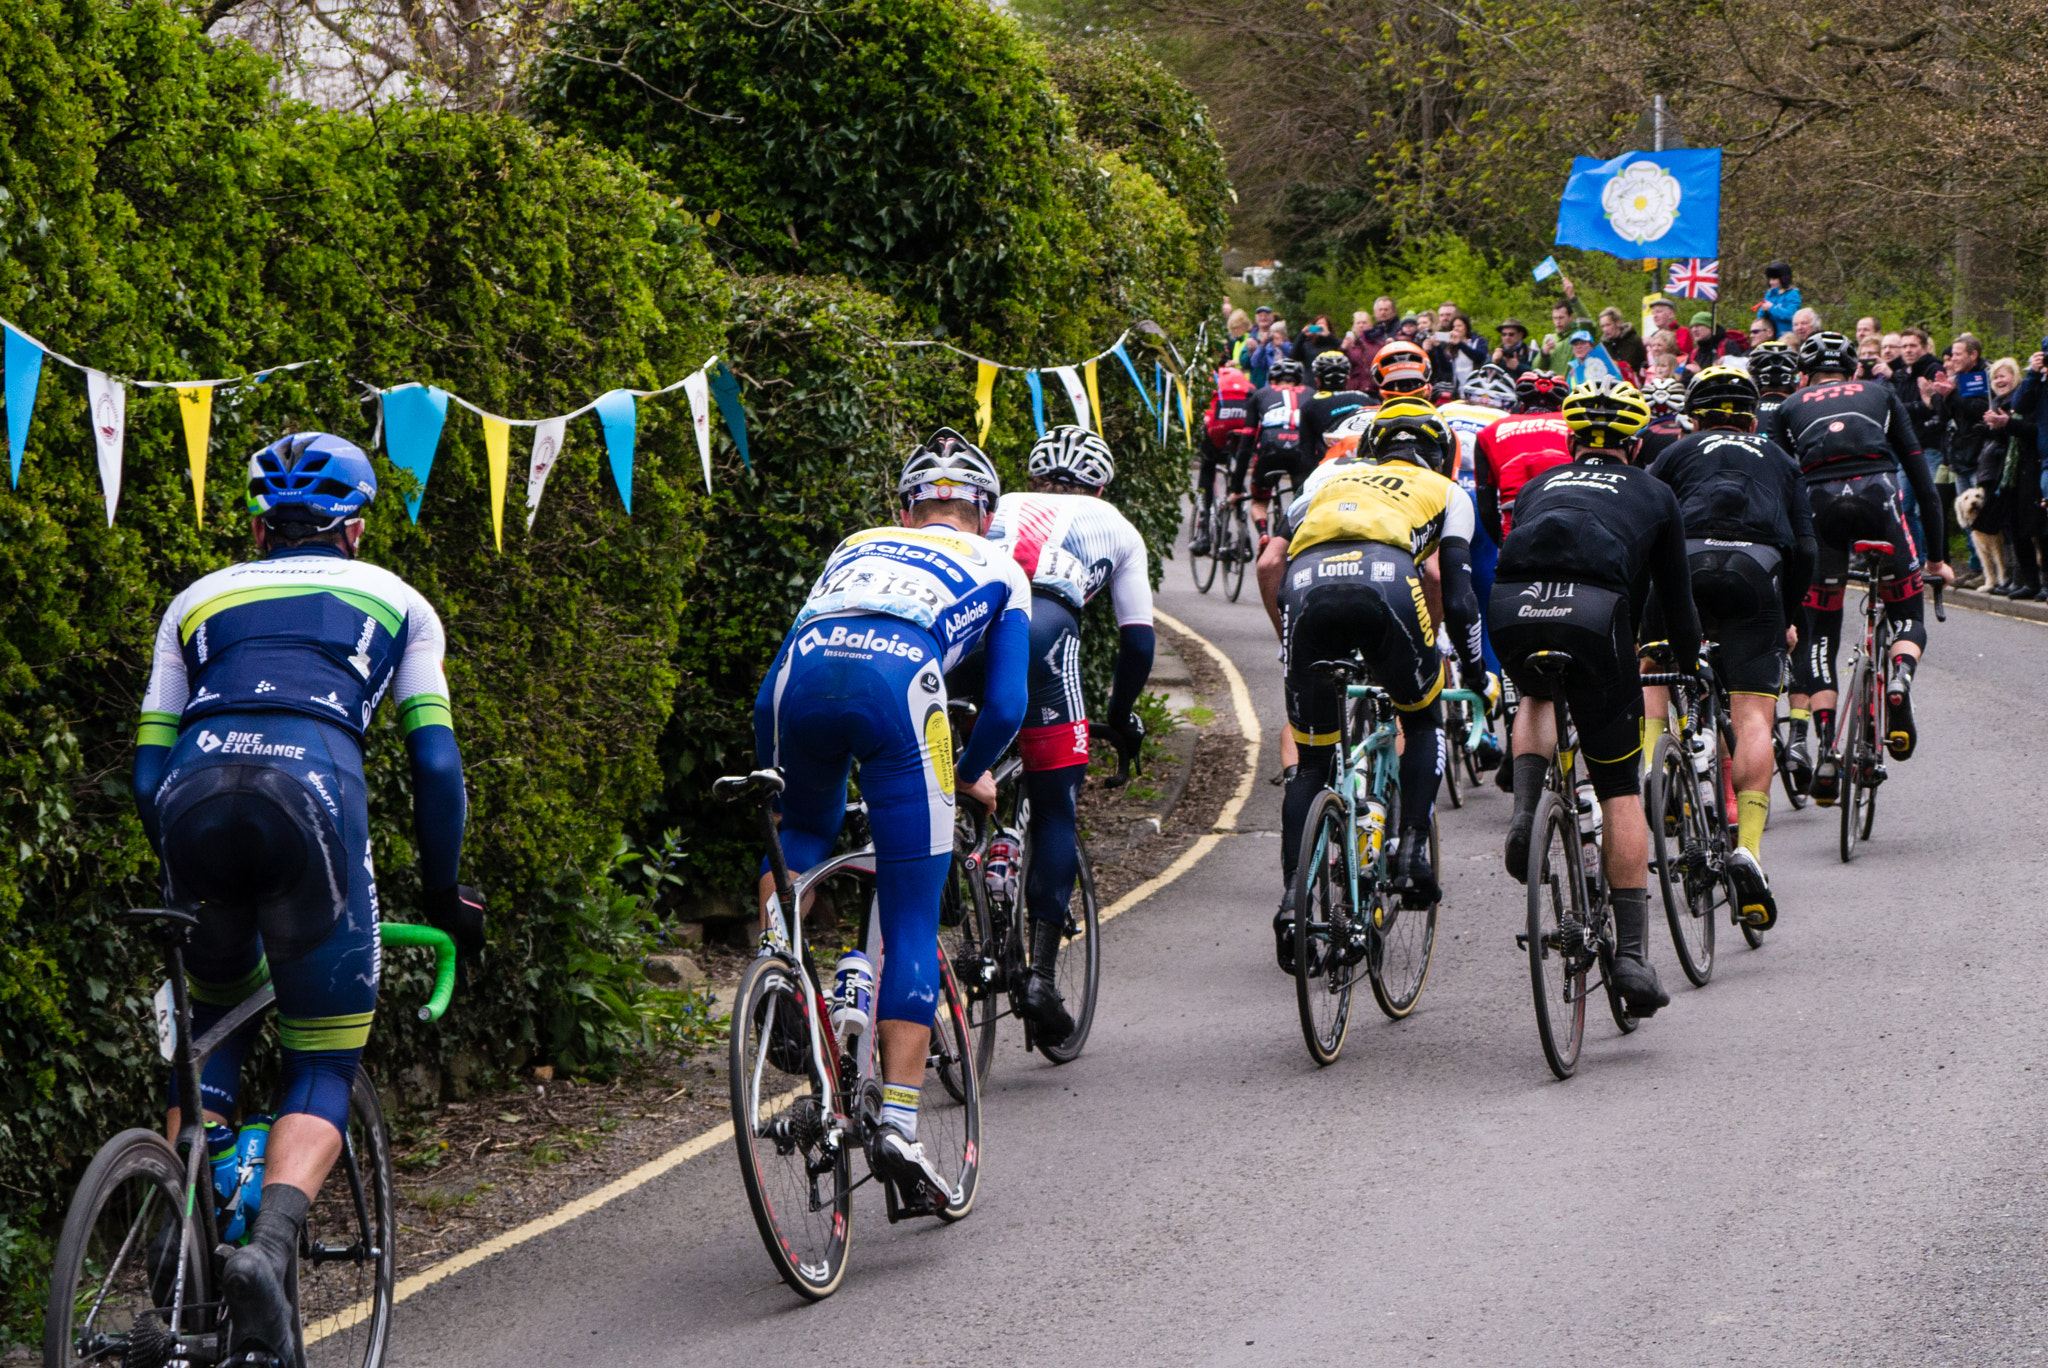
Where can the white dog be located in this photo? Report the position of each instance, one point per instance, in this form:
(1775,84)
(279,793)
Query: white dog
(1990,546)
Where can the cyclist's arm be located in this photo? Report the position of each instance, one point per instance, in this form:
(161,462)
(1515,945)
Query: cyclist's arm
(1912,461)
(1804,553)
(1487,485)
(163,702)
(440,805)
(1454,564)
(1003,696)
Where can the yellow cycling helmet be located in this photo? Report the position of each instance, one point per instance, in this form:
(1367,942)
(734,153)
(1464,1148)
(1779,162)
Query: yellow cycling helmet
(1410,430)
(1605,415)
(1722,391)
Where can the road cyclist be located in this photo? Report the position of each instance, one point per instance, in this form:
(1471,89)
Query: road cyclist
(1276,413)
(1070,543)
(1227,428)
(1591,540)
(249,781)
(1749,541)
(860,676)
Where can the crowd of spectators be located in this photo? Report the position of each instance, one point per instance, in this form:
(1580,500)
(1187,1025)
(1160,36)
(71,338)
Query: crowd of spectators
(1983,422)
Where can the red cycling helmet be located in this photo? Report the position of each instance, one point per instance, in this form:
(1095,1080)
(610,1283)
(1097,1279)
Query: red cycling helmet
(1539,392)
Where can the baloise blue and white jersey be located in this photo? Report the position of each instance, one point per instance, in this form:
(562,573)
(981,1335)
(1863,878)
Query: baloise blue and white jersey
(302,631)
(952,585)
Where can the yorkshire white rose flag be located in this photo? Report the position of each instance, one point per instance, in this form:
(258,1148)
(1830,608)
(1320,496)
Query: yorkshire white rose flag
(547,449)
(1644,204)
(108,399)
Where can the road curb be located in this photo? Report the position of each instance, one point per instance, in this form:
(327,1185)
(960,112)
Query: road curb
(1979,601)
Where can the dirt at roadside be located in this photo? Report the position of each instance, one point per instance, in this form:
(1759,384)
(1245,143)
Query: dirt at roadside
(468,1171)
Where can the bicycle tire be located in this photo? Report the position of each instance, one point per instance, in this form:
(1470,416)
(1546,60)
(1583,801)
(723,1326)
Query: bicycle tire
(346,1288)
(1203,520)
(1399,964)
(1854,718)
(949,1123)
(1781,748)
(1242,552)
(1079,973)
(970,941)
(1557,916)
(130,1201)
(1454,738)
(1324,967)
(1874,743)
(773,1123)
(1692,928)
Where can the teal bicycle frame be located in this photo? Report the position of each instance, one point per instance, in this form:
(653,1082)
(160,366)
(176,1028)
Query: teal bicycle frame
(1374,755)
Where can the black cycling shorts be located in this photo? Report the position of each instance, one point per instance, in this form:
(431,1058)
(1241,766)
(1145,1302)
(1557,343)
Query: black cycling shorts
(1735,589)
(1341,597)
(1603,688)
(1853,508)
(1270,462)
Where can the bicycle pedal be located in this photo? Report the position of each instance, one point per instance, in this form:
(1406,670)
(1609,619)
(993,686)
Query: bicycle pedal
(1522,941)
(901,1208)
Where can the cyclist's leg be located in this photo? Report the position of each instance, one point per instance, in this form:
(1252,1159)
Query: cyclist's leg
(1905,605)
(1313,628)
(798,729)
(1401,649)
(1835,525)
(1485,561)
(1533,734)
(1054,747)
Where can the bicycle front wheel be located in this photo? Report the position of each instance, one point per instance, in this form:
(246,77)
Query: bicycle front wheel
(348,1254)
(1241,551)
(1079,971)
(1691,917)
(949,1120)
(967,934)
(1327,937)
(1556,936)
(1855,746)
(1405,943)
(790,1144)
(114,1294)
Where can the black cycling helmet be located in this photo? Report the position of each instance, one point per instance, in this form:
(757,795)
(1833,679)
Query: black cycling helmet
(1332,370)
(948,466)
(1285,372)
(1827,351)
(1539,392)
(1774,368)
(1721,392)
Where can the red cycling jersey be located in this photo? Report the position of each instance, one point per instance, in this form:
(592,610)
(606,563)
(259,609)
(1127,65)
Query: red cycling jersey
(1230,412)
(1514,450)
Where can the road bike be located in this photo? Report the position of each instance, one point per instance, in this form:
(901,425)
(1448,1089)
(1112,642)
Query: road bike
(1468,732)
(1690,839)
(138,1270)
(1570,930)
(1345,911)
(806,1095)
(1860,735)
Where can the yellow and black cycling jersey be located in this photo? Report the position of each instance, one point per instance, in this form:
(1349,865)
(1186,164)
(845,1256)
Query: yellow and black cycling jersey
(1398,504)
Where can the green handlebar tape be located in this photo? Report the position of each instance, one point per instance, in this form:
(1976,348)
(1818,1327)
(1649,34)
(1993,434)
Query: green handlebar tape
(1478,727)
(405,933)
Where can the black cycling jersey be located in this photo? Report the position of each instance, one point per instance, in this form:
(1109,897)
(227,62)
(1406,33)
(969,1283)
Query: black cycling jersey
(1276,415)
(1852,427)
(1765,407)
(1322,413)
(1599,522)
(1658,438)
(1743,487)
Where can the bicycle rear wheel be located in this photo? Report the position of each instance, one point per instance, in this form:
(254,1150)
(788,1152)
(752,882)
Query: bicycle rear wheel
(789,1144)
(1454,759)
(967,933)
(1406,940)
(1691,917)
(1855,745)
(1326,954)
(348,1254)
(949,1121)
(1242,551)
(1556,937)
(1203,567)
(113,1281)
(1079,971)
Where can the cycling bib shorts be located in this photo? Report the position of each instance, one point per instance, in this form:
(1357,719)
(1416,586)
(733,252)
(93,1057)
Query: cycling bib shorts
(1340,597)
(1735,590)
(266,836)
(867,687)
(1846,510)
(1603,687)
(1055,731)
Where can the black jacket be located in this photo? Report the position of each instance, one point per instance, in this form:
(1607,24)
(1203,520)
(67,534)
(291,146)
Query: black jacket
(1742,486)
(1905,382)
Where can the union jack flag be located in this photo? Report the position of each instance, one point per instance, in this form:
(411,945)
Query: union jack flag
(1695,279)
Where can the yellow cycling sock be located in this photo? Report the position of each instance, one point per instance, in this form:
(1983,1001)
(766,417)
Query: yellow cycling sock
(1802,714)
(1653,727)
(1752,806)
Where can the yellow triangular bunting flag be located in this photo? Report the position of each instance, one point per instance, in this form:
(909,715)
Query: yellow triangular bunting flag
(195,406)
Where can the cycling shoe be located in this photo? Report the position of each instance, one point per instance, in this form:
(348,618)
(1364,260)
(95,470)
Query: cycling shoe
(1827,781)
(1520,830)
(1283,933)
(1039,1003)
(902,1162)
(1636,981)
(1902,737)
(1414,877)
(1756,906)
(259,1312)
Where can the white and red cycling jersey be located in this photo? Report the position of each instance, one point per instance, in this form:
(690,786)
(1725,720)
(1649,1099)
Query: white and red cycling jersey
(1071,545)
(1515,450)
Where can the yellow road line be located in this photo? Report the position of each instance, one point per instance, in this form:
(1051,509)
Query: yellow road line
(1226,821)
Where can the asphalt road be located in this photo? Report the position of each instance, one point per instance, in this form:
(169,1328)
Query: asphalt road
(1832,1154)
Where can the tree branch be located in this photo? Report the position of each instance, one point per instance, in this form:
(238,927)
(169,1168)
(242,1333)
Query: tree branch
(1898,44)
(619,67)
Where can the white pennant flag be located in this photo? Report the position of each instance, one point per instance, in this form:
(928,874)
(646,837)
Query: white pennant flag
(698,388)
(108,400)
(1076,392)
(547,449)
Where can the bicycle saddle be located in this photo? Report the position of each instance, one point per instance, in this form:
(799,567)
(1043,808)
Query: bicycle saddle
(156,916)
(1871,548)
(734,787)
(1549,662)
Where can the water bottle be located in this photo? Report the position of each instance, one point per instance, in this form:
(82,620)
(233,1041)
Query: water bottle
(250,1144)
(1702,754)
(1372,828)
(220,1153)
(1589,833)
(999,870)
(853,993)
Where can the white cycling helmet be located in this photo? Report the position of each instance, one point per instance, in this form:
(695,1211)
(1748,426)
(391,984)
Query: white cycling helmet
(1073,454)
(1490,387)
(948,466)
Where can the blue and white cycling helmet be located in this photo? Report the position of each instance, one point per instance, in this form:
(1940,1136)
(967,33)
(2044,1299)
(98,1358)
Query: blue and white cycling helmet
(1073,454)
(948,466)
(327,477)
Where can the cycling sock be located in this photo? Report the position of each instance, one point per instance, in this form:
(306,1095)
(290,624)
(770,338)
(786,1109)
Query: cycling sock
(1653,727)
(899,1108)
(1752,806)
(278,1222)
(1824,727)
(1800,717)
(1529,772)
(1902,672)
(1631,921)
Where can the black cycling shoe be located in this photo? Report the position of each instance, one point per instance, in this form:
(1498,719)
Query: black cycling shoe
(259,1312)
(1635,979)
(1755,905)
(903,1164)
(1200,545)
(1280,780)
(1414,876)
(1800,768)
(1039,1002)
(1520,829)
(1283,933)
(1898,702)
(789,1040)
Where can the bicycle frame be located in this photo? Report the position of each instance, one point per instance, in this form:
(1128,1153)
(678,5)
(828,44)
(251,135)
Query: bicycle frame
(1374,755)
